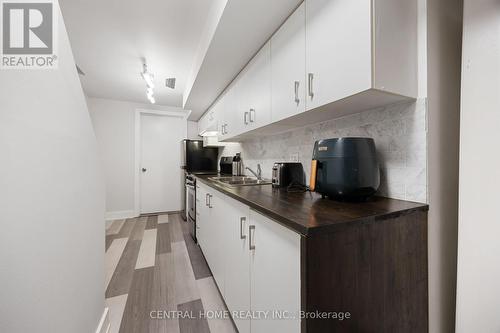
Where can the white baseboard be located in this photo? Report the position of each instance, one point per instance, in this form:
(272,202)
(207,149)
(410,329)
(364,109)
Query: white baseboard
(104,323)
(123,214)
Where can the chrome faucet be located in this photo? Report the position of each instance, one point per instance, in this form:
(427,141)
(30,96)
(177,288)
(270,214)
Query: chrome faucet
(257,174)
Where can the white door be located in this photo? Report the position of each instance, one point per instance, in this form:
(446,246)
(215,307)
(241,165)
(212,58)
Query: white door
(275,274)
(288,65)
(160,180)
(338,49)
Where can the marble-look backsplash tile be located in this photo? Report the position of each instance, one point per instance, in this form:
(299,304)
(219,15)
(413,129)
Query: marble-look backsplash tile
(399,132)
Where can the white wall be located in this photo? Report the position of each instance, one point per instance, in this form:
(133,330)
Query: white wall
(444,54)
(114,126)
(52,202)
(192,130)
(478,283)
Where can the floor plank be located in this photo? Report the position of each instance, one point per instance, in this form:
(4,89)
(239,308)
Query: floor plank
(124,272)
(163,218)
(136,316)
(152,222)
(198,262)
(115,227)
(193,325)
(147,251)
(138,229)
(177,234)
(163,295)
(212,301)
(127,227)
(163,238)
(116,307)
(185,284)
(112,257)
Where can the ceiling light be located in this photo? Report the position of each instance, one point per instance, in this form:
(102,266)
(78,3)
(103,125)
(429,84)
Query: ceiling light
(148,78)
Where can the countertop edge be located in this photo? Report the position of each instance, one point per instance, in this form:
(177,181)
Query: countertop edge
(305,231)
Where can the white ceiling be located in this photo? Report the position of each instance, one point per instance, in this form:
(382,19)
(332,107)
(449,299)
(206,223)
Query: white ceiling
(110,37)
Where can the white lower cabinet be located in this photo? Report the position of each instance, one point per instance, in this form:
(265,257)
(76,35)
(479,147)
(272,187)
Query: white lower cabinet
(254,260)
(275,275)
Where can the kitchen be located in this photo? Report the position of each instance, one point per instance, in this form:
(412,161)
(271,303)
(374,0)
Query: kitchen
(232,166)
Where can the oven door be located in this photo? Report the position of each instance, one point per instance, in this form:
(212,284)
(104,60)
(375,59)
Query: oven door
(191,207)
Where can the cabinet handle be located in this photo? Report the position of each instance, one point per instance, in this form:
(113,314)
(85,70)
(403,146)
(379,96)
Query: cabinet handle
(296,86)
(252,119)
(206,199)
(223,129)
(242,220)
(210,201)
(246,118)
(310,78)
(251,246)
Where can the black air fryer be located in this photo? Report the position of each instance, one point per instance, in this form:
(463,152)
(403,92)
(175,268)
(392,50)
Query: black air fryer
(345,168)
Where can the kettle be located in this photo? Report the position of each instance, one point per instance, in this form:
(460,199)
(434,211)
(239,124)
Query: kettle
(237,165)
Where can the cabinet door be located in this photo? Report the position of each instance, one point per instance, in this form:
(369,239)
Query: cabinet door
(237,277)
(233,109)
(217,237)
(257,89)
(288,67)
(275,273)
(338,49)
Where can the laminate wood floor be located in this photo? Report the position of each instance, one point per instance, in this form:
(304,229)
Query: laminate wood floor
(154,270)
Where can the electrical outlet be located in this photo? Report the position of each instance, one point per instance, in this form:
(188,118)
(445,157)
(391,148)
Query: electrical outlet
(294,157)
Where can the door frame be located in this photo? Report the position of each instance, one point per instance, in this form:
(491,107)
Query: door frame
(137,149)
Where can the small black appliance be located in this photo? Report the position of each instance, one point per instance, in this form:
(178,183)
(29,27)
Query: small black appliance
(226,165)
(287,173)
(345,168)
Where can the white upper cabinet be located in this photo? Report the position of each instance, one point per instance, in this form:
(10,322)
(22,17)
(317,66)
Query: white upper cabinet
(288,60)
(338,49)
(255,90)
(329,59)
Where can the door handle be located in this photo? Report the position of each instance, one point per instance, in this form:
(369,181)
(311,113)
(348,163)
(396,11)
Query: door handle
(310,78)
(245,118)
(296,86)
(242,220)
(251,246)
(144,169)
(252,119)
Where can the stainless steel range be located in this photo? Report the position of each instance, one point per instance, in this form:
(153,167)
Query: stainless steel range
(191,204)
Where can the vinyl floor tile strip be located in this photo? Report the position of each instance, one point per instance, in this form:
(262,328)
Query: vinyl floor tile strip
(136,316)
(198,262)
(212,301)
(112,258)
(163,238)
(138,229)
(163,294)
(196,324)
(116,307)
(147,251)
(164,218)
(152,222)
(186,289)
(115,227)
(177,234)
(127,227)
(124,272)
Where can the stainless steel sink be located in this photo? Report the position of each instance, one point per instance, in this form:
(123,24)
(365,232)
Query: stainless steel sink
(240,181)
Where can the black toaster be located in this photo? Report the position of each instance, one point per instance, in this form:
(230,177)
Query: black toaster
(288,173)
(345,168)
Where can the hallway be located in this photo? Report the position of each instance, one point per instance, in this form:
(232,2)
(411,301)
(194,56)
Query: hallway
(153,266)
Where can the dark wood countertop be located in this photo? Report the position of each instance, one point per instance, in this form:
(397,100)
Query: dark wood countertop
(307,213)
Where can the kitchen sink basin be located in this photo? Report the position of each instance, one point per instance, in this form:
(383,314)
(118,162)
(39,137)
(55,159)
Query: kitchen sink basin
(240,181)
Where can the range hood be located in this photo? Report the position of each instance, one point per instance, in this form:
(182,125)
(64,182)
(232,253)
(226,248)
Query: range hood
(212,140)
